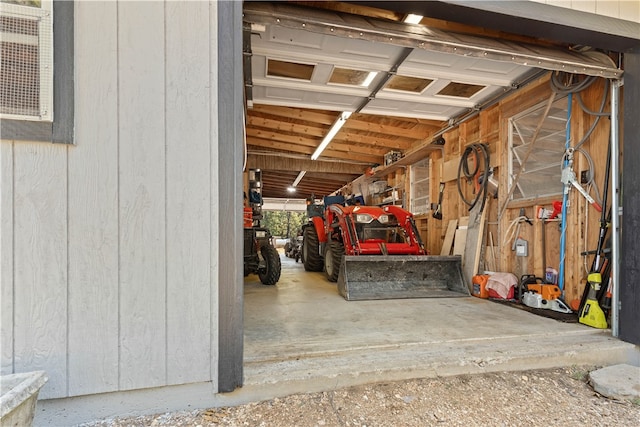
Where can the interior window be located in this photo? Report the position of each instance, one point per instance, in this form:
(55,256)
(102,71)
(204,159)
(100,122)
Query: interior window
(542,170)
(420,187)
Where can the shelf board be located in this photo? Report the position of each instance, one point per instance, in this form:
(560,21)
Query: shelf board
(409,158)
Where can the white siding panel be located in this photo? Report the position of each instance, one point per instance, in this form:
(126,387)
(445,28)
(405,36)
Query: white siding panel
(142,194)
(93,205)
(608,8)
(560,3)
(40,262)
(188,193)
(584,5)
(6,257)
(215,194)
(630,10)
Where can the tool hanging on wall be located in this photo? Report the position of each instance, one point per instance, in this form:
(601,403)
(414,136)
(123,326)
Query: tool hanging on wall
(437,213)
(478,155)
(565,201)
(569,179)
(563,83)
(599,262)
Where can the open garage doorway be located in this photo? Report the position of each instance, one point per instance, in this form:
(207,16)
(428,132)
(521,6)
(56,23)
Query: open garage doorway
(302,328)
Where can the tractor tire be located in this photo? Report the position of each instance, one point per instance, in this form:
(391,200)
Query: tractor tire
(271,274)
(333,259)
(310,250)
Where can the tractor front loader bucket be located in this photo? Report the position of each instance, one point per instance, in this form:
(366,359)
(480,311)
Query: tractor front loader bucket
(373,277)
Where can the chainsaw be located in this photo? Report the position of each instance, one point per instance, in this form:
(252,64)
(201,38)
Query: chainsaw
(533,292)
(535,300)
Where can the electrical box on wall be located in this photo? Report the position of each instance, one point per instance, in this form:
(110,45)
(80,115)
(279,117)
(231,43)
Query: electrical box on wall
(522,247)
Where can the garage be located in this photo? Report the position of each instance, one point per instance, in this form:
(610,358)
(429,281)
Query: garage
(122,209)
(404,104)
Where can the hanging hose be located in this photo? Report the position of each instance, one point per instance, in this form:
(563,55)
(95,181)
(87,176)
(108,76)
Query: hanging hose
(479,176)
(569,84)
(565,199)
(564,83)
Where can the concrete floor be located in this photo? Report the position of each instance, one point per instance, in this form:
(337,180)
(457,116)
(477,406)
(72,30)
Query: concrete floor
(302,336)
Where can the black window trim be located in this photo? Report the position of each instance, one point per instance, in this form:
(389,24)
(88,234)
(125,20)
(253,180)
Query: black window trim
(61,129)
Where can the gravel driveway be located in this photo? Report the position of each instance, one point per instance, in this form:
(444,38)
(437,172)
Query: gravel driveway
(558,397)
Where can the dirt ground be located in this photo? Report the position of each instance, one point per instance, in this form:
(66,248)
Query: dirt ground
(557,397)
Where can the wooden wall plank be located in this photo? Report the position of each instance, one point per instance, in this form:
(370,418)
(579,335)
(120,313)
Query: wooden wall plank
(188,194)
(6,257)
(141,93)
(40,263)
(93,206)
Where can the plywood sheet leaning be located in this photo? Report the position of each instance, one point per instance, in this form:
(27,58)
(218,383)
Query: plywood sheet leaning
(448,237)
(473,251)
(460,240)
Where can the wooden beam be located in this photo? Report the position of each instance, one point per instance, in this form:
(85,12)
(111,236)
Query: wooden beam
(283,126)
(267,139)
(398,142)
(315,116)
(279,163)
(328,153)
(336,150)
(418,131)
(266,135)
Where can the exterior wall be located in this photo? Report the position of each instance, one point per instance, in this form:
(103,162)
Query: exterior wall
(629,10)
(109,247)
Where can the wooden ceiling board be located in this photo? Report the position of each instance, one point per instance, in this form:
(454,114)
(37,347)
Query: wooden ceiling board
(275,161)
(433,111)
(290,116)
(275,184)
(376,140)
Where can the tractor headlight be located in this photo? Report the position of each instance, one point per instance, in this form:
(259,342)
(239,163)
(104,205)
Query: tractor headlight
(383,219)
(261,234)
(364,218)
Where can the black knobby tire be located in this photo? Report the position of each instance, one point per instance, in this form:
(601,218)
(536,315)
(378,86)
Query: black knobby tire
(333,259)
(310,250)
(271,273)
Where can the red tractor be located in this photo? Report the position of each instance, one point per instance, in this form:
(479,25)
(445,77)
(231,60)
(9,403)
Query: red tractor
(375,252)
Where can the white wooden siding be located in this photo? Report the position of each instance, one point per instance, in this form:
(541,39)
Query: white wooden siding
(108,248)
(142,186)
(6,258)
(188,195)
(40,262)
(214,201)
(93,205)
(629,10)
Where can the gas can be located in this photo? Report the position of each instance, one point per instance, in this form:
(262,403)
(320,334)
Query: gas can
(248,217)
(479,286)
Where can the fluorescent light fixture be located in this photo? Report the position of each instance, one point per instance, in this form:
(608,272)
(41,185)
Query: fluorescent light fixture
(412,19)
(298,179)
(372,75)
(291,189)
(332,132)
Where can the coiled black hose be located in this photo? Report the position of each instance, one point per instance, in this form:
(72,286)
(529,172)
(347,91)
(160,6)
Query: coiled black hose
(564,83)
(481,162)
